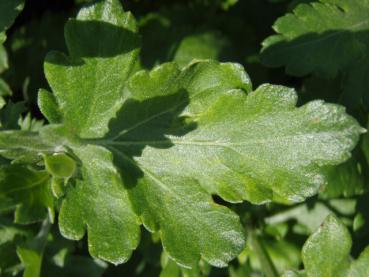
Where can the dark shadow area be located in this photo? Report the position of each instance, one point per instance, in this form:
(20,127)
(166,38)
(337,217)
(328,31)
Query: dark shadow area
(361,220)
(323,55)
(338,60)
(59,58)
(113,41)
(107,40)
(169,36)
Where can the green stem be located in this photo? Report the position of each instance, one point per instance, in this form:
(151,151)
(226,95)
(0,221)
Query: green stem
(265,261)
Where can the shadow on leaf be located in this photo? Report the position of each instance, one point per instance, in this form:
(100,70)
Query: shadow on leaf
(146,123)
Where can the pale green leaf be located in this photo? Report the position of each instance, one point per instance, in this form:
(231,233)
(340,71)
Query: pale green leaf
(25,146)
(27,123)
(273,149)
(99,205)
(327,253)
(103,46)
(60,165)
(48,106)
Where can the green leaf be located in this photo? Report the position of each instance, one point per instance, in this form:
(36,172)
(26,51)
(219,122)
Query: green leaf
(169,36)
(27,123)
(10,115)
(60,165)
(283,254)
(324,38)
(154,149)
(360,266)
(203,45)
(31,253)
(11,235)
(4,89)
(99,204)
(273,149)
(347,179)
(327,252)
(29,190)
(48,106)
(171,269)
(3,59)
(103,46)
(9,9)
(25,146)
(333,243)
(311,215)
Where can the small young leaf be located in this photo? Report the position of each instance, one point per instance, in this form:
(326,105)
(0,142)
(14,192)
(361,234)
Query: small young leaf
(48,106)
(326,253)
(60,165)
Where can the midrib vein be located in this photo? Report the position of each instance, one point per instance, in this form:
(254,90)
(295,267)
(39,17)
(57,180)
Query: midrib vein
(216,143)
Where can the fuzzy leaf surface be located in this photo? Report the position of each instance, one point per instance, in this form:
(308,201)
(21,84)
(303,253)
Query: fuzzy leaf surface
(182,135)
(99,205)
(273,150)
(103,45)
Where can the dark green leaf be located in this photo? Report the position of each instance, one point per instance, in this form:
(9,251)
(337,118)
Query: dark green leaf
(29,190)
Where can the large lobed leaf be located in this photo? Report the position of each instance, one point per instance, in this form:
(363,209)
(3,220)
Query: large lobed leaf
(255,147)
(154,149)
(324,38)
